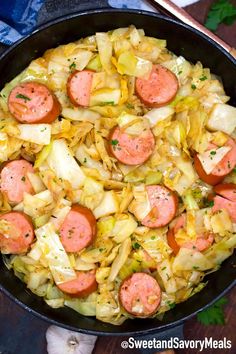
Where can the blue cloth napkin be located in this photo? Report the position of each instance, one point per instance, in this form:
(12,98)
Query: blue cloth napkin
(17,18)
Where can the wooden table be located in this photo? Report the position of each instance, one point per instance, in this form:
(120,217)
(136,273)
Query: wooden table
(31,331)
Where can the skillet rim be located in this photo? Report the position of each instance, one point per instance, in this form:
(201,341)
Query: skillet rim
(160,328)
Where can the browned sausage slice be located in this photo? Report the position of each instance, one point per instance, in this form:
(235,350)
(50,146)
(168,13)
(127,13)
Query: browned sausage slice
(14,180)
(223,203)
(79,87)
(227,164)
(78,229)
(159,89)
(208,178)
(140,295)
(19,233)
(202,242)
(226,190)
(32,102)
(224,167)
(82,286)
(164,204)
(129,149)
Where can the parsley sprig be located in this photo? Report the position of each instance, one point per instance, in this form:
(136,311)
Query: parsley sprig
(214,315)
(221,11)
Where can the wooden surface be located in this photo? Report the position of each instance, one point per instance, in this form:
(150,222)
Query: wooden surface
(29,330)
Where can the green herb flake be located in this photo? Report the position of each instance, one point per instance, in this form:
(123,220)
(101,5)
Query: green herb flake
(85,160)
(108,103)
(129,105)
(171,304)
(213,152)
(136,245)
(72,66)
(221,11)
(211,203)
(193,87)
(23,97)
(214,315)
(203,78)
(114,142)
(23,179)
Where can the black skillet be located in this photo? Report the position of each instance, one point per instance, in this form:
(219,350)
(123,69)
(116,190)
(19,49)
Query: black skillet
(182,40)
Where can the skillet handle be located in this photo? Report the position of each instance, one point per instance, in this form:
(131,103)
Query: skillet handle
(175,332)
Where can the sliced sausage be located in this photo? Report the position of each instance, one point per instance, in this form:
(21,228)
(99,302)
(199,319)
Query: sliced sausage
(32,102)
(159,89)
(226,190)
(164,204)
(209,179)
(223,203)
(224,167)
(19,233)
(78,229)
(201,243)
(14,180)
(227,164)
(129,149)
(140,295)
(79,87)
(82,286)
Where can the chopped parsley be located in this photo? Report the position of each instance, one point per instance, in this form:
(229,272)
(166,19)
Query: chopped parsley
(193,87)
(136,245)
(171,304)
(129,105)
(72,66)
(85,160)
(214,314)
(114,142)
(108,103)
(213,152)
(23,97)
(23,179)
(203,78)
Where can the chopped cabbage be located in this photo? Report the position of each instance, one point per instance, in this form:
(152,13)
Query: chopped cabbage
(85,306)
(35,133)
(105,96)
(109,205)
(120,259)
(124,226)
(105,51)
(188,259)
(53,250)
(129,64)
(223,118)
(80,114)
(156,115)
(62,162)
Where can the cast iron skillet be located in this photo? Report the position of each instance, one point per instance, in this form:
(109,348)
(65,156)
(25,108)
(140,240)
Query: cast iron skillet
(183,41)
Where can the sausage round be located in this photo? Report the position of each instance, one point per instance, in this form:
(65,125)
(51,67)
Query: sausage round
(78,229)
(159,89)
(164,204)
(209,179)
(32,102)
(14,180)
(140,295)
(223,203)
(82,286)
(131,150)
(226,190)
(20,233)
(223,168)
(202,242)
(79,87)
